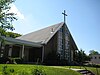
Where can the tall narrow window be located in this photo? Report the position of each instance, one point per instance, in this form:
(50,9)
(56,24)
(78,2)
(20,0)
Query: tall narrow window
(99,57)
(95,57)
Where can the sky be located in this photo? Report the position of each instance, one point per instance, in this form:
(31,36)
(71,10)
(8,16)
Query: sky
(83,19)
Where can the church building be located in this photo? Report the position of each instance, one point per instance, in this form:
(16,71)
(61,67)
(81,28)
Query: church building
(47,45)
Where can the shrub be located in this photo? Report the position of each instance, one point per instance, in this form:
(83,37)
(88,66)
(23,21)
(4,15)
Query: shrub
(38,72)
(6,71)
(93,65)
(35,71)
(16,60)
(3,60)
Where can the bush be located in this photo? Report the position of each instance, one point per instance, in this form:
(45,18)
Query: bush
(16,60)
(3,60)
(38,72)
(8,71)
(93,65)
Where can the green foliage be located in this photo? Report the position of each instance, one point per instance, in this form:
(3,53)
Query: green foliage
(11,70)
(15,60)
(6,17)
(2,31)
(6,71)
(93,52)
(92,69)
(81,57)
(13,35)
(9,34)
(23,69)
(38,72)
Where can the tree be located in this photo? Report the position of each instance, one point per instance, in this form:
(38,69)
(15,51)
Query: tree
(93,52)
(2,31)
(9,34)
(81,57)
(6,17)
(13,35)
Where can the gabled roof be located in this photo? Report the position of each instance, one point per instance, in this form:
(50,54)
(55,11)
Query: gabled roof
(42,36)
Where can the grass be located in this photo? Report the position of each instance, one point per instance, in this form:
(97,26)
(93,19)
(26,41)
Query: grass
(92,69)
(49,70)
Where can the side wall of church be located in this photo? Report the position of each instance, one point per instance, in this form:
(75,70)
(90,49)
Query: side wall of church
(51,46)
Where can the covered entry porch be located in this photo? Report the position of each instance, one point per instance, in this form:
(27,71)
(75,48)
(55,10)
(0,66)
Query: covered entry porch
(28,51)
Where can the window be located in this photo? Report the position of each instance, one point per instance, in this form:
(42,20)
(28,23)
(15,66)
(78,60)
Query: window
(99,57)
(95,57)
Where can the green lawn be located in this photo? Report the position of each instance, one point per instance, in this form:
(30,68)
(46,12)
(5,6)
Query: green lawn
(27,69)
(49,70)
(94,70)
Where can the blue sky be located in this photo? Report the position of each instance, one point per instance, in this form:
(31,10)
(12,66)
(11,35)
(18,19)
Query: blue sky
(83,19)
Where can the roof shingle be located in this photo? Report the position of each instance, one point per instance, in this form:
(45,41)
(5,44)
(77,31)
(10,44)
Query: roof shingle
(43,35)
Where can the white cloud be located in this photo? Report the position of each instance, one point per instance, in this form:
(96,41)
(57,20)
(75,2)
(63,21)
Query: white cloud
(16,11)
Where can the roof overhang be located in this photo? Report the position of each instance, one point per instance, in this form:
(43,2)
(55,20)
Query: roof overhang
(73,43)
(10,40)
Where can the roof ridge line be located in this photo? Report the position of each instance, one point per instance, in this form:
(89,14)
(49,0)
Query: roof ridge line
(45,42)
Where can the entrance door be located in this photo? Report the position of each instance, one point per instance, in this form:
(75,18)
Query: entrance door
(35,54)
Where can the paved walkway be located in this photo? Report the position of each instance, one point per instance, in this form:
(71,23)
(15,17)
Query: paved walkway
(82,71)
(76,69)
(66,68)
(59,67)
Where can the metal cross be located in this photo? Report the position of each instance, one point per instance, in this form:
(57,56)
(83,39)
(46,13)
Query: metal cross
(64,13)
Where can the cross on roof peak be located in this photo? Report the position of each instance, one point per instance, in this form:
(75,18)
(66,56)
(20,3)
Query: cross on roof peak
(64,13)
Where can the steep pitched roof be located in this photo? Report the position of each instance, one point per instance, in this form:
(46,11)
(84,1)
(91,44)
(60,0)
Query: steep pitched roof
(42,36)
